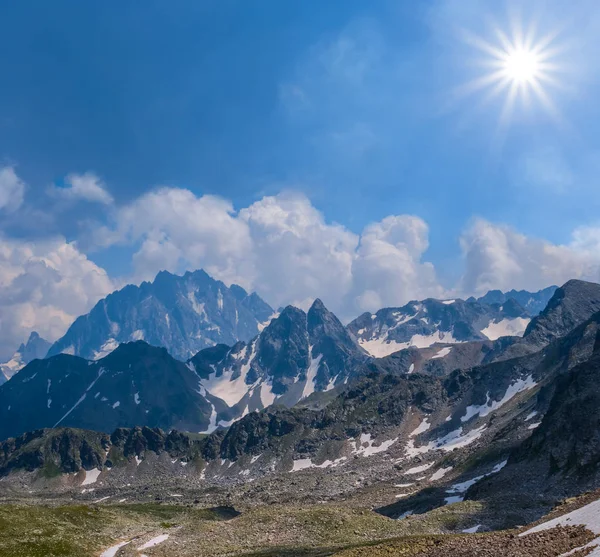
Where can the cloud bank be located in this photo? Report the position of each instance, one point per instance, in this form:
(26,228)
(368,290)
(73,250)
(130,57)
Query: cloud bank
(280,246)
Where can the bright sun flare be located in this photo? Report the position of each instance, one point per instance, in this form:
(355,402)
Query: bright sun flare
(520,65)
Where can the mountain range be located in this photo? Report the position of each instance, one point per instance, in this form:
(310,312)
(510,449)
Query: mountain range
(293,356)
(181,313)
(496,429)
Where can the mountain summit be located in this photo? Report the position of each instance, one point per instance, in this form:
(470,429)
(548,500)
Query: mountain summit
(36,347)
(184,314)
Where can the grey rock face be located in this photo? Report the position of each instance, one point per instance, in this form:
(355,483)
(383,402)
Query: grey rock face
(570,305)
(422,324)
(533,302)
(183,314)
(297,354)
(36,347)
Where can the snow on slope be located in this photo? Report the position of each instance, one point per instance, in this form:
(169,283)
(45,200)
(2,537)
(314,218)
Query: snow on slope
(382,346)
(490,405)
(588,516)
(506,327)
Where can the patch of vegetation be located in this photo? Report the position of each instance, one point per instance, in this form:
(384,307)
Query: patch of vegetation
(50,470)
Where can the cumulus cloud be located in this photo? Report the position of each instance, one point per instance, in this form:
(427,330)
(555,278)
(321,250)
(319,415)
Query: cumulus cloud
(176,230)
(86,187)
(12,190)
(388,269)
(44,286)
(281,246)
(499,257)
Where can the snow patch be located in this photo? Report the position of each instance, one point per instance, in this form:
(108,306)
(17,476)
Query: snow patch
(448,302)
(116,404)
(442,353)
(136,398)
(230,390)
(422,427)
(490,405)
(137,335)
(440,474)
(153,542)
(531,415)
(267,396)
(91,476)
(82,397)
(588,516)
(454,440)
(110,345)
(418,469)
(472,530)
(112,551)
(366,447)
(533,426)
(311,374)
(506,328)
(304,463)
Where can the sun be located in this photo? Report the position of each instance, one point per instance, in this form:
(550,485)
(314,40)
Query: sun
(519,65)
(522,66)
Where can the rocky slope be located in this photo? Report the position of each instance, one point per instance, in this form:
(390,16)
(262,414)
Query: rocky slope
(183,314)
(35,347)
(135,384)
(297,354)
(422,324)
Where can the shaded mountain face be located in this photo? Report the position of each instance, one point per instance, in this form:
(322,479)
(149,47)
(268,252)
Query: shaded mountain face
(183,314)
(297,354)
(571,304)
(562,456)
(422,324)
(135,384)
(36,347)
(533,302)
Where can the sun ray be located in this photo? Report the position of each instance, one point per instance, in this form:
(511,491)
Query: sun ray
(520,63)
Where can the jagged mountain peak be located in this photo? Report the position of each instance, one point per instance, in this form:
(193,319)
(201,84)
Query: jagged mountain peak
(182,313)
(421,324)
(295,355)
(35,348)
(571,304)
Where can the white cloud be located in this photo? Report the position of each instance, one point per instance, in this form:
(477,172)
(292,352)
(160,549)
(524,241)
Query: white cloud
(297,256)
(44,285)
(388,269)
(87,187)
(497,256)
(281,246)
(12,189)
(176,230)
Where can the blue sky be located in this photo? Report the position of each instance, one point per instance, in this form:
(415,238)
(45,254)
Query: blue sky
(350,104)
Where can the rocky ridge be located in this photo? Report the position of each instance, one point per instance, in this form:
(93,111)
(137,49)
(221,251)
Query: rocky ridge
(183,314)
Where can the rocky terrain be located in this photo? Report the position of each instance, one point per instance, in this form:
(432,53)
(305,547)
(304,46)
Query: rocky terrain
(182,314)
(533,302)
(349,455)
